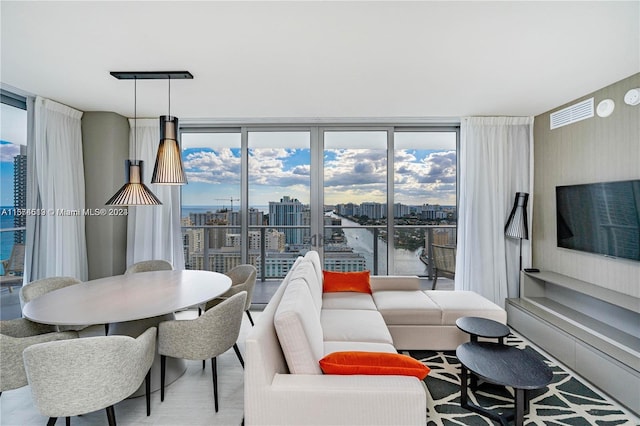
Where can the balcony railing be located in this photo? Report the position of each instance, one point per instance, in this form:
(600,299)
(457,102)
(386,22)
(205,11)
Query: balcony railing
(273,249)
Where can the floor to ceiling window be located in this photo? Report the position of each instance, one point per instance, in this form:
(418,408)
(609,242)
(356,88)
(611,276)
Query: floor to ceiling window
(211,201)
(287,189)
(13,190)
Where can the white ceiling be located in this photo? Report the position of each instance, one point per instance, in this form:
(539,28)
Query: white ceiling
(320,60)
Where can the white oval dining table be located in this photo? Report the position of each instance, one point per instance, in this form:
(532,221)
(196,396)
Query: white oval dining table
(130,304)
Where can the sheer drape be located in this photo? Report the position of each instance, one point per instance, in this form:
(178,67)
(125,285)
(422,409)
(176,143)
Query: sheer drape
(56,243)
(495,157)
(153,232)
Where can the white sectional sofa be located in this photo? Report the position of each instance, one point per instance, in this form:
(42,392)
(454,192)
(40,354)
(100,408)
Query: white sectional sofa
(284,384)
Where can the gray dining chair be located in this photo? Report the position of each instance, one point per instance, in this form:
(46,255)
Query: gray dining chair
(80,376)
(15,336)
(207,336)
(243,278)
(148,266)
(43,286)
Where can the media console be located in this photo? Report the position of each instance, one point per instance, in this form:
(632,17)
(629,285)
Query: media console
(592,330)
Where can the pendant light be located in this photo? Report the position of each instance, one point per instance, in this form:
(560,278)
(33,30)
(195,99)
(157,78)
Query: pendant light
(134,191)
(168,169)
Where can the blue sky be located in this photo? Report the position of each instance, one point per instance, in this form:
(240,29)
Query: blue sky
(350,175)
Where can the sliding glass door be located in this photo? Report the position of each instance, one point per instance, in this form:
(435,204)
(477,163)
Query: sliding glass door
(365,197)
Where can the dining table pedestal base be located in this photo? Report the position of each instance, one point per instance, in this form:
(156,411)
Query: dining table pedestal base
(175,367)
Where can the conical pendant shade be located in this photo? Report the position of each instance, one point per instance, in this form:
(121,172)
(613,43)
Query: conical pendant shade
(168,169)
(134,192)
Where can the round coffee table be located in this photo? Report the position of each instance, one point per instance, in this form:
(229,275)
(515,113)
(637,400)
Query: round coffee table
(482,327)
(506,366)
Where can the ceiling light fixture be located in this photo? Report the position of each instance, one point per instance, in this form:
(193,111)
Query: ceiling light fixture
(134,191)
(168,169)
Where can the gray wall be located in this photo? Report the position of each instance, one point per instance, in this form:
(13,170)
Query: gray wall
(593,150)
(105,140)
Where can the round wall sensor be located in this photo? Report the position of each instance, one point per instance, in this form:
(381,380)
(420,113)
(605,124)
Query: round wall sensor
(605,108)
(632,97)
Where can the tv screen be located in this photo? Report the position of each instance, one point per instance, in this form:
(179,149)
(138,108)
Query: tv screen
(601,218)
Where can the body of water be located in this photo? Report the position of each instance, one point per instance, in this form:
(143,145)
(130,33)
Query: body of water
(407,262)
(6,238)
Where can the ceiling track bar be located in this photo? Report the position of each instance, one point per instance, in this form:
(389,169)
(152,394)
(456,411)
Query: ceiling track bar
(152,75)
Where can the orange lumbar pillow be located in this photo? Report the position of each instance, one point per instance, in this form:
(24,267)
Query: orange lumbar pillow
(373,363)
(346,281)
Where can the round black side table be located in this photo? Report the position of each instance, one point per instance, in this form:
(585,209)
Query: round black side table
(506,366)
(482,327)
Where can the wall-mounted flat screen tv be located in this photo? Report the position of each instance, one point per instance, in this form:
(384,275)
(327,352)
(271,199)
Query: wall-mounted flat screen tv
(602,218)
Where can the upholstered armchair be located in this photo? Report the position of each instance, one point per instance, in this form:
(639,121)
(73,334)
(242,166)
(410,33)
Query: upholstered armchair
(15,336)
(209,335)
(80,376)
(149,265)
(243,278)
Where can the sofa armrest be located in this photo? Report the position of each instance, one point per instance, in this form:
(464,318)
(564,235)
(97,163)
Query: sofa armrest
(393,282)
(298,399)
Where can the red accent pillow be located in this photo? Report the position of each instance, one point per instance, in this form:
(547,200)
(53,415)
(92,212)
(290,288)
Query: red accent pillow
(373,363)
(346,281)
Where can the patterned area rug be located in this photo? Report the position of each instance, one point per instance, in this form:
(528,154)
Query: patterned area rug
(567,400)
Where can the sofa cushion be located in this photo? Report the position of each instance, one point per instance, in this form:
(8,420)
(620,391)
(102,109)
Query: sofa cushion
(298,328)
(460,303)
(406,307)
(348,300)
(330,347)
(354,325)
(313,257)
(305,271)
(346,281)
(373,363)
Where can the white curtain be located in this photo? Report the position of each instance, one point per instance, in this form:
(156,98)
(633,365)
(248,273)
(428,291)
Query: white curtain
(56,244)
(153,232)
(495,163)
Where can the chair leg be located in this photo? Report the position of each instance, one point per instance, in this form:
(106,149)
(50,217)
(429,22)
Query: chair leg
(111,415)
(52,421)
(250,319)
(235,348)
(147,390)
(106,329)
(215,382)
(203,363)
(163,365)
(67,421)
(435,280)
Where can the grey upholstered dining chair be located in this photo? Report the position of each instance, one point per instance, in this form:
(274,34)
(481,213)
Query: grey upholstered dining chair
(39,287)
(45,285)
(15,336)
(80,376)
(209,335)
(149,265)
(243,278)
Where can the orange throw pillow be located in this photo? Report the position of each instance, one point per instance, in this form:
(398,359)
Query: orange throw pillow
(373,363)
(346,281)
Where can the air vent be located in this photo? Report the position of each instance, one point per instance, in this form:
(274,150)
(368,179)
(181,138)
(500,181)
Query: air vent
(572,114)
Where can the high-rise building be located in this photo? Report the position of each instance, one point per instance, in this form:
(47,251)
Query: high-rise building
(288,212)
(20,193)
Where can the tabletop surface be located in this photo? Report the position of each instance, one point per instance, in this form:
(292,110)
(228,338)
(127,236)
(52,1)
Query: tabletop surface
(504,365)
(126,297)
(482,327)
